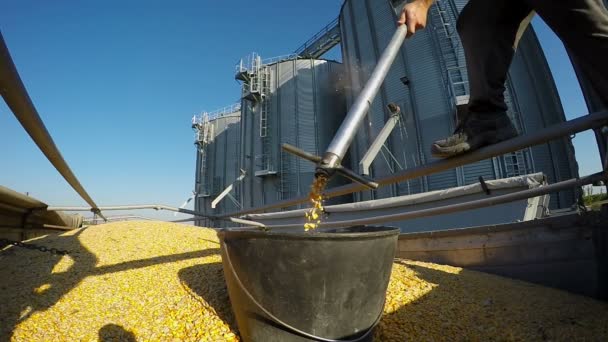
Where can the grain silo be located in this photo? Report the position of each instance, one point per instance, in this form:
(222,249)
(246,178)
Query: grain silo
(429,82)
(217,137)
(285,100)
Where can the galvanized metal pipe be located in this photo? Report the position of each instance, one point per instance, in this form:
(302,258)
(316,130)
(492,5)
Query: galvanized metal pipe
(132,207)
(115,218)
(55,227)
(346,133)
(452,208)
(539,137)
(249,222)
(16,97)
(190,219)
(603,153)
(197,215)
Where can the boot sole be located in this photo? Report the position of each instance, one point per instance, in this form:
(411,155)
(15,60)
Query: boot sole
(488,138)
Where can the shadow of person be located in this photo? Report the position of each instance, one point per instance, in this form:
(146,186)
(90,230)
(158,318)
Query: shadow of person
(207,281)
(28,284)
(115,333)
(32,281)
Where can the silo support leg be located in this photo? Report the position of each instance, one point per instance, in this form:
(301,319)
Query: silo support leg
(375,147)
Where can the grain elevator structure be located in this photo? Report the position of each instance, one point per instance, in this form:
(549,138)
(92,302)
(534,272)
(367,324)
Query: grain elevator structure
(301,99)
(429,82)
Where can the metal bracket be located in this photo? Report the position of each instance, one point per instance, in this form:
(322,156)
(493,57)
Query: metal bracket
(484,186)
(376,146)
(604,133)
(329,171)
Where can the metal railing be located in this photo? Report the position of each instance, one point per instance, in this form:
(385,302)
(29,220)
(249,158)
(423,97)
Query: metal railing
(595,120)
(95,220)
(254,62)
(197,215)
(452,208)
(281,58)
(130,207)
(18,100)
(16,97)
(218,113)
(322,41)
(567,128)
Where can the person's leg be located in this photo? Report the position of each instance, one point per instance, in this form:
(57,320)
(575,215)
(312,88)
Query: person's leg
(582,25)
(489,31)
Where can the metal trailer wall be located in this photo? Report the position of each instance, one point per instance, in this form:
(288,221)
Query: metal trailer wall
(220,168)
(427,78)
(566,251)
(23,217)
(305,106)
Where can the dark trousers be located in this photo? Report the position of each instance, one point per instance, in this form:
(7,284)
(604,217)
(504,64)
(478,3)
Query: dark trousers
(490,31)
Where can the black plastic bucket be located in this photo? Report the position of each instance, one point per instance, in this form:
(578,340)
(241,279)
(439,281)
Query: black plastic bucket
(308,286)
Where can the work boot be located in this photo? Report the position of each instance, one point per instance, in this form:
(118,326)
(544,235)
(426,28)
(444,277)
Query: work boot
(474,131)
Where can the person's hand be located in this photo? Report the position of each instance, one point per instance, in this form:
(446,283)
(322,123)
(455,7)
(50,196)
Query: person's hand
(414,15)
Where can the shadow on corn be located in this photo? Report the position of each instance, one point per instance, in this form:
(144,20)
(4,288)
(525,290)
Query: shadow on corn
(207,281)
(469,305)
(458,306)
(432,311)
(32,281)
(114,332)
(27,284)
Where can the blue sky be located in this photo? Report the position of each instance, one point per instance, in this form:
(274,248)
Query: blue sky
(116,83)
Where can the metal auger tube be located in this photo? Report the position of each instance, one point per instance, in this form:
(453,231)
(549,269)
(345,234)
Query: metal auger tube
(346,133)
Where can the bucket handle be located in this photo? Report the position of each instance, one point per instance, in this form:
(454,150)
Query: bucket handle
(288,327)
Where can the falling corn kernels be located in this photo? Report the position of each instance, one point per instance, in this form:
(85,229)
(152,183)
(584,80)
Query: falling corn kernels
(154,281)
(313,218)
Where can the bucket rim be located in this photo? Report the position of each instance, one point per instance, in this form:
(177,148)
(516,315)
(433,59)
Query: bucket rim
(326,234)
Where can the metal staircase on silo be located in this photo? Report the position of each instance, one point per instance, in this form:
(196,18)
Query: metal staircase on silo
(256,75)
(265,132)
(516,163)
(204,133)
(444,16)
(248,71)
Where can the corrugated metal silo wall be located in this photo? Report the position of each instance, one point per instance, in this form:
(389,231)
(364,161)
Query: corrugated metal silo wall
(305,107)
(540,106)
(197,186)
(221,167)
(367,26)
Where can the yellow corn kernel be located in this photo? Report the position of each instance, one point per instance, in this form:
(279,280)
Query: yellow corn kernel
(316,198)
(155,281)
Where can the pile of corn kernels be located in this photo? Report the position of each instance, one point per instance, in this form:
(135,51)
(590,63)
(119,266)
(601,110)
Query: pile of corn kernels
(430,302)
(154,281)
(127,281)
